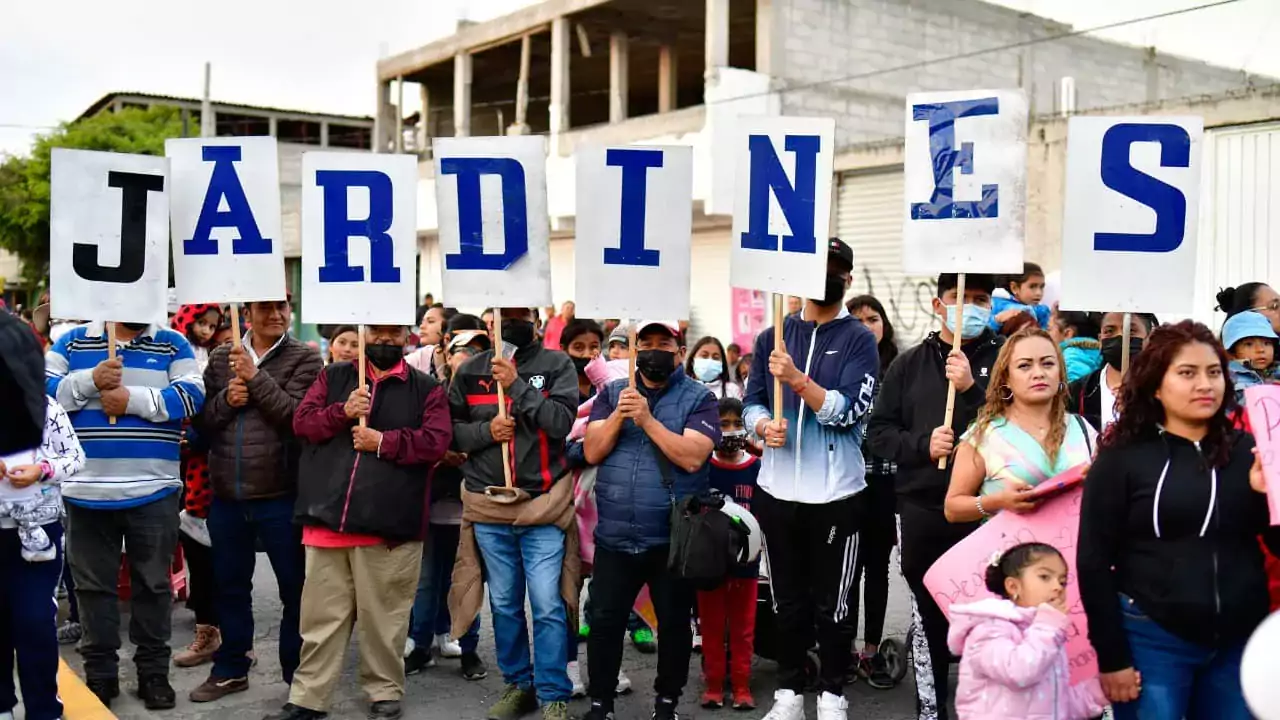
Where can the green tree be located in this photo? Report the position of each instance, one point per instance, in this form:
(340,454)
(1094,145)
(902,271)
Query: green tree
(24,181)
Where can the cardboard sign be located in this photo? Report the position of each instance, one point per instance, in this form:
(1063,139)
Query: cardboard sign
(108,236)
(1131,212)
(225,207)
(359,238)
(959,576)
(491,195)
(633,231)
(965,168)
(1262,402)
(782,205)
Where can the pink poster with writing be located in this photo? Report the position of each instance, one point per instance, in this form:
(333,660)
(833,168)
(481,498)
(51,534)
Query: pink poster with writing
(748,317)
(1263,405)
(959,575)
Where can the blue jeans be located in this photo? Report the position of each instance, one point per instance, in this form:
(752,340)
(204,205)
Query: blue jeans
(431,604)
(234,527)
(516,558)
(29,626)
(1180,679)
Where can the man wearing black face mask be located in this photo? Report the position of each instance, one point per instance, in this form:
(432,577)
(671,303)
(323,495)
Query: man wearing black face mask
(651,444)
(1094,396)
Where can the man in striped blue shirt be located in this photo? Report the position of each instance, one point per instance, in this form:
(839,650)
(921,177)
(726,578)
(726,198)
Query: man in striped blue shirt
(129,490)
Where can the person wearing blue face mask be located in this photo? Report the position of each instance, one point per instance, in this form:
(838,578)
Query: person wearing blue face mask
(907,428)
(707,364)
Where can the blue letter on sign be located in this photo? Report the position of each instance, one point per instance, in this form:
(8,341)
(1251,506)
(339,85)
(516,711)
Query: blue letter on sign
(226,184)
(635,165)
(1167,201)
(797,202)
(471,218)
(946,158)
(339,227)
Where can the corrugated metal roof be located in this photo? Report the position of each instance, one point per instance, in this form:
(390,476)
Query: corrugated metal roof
(106,100)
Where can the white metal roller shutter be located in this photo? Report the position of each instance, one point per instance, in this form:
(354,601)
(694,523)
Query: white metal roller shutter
(710,294)
(869,218)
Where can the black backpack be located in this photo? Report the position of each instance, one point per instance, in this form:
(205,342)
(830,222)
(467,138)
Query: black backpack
(705,544)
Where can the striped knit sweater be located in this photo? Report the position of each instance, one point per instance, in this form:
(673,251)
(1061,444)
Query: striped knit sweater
(135,460)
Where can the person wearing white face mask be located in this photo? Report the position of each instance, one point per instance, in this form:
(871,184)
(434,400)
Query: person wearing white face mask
(707,364)
(907,428)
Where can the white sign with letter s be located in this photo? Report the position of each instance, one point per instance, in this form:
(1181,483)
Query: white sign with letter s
(108,236)
(1131,212)
(782,205)
(633,230)
(965,167)
(359,238)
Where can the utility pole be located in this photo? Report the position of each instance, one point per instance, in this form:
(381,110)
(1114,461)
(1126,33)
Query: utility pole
(208,124)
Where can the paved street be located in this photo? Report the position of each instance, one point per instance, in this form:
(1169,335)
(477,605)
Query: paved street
(442,693)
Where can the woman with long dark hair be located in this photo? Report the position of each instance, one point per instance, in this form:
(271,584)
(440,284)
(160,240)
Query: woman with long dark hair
(707,365)
(879,534)
(1170,571)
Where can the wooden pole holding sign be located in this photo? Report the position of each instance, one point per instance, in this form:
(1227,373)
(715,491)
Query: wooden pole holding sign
(111,354)
(1125,333)
(778,346)
(235,333)
(631,355)
(509,485)
(956,337)
(362,369)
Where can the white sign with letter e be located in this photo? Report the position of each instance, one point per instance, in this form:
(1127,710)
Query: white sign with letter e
(226,219)
(359,238)
(1131,212)
(108,236)
(633,230)
(491,196)
(965,192)
(782,205)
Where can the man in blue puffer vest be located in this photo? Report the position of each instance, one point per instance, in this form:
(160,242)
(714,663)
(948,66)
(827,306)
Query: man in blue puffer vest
(651,444)
(811,482)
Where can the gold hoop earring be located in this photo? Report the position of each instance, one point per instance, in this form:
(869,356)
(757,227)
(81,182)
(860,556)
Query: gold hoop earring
(1009,397)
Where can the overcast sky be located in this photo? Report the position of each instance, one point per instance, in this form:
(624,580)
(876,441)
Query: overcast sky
(56,58)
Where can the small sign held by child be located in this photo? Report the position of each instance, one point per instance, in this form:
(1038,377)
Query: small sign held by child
(1263,405)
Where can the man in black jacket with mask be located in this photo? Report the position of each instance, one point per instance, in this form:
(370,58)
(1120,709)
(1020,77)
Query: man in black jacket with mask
(1093,397)
(907,427)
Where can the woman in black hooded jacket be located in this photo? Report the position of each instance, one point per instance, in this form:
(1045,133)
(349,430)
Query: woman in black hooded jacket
(1170,570)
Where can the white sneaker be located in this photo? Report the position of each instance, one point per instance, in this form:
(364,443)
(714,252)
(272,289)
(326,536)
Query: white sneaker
(575,677)
(409,645)
(449,648)
(832,707)
(624,684)
(786,706)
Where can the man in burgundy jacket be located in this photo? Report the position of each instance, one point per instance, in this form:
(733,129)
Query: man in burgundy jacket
(362,494)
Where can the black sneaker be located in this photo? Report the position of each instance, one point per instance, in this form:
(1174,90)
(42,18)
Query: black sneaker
(665,709)
(107,689)
(156,693)
(418,660)
(473,668)
(598,711)
(385,710)
(876,671)
(296,712)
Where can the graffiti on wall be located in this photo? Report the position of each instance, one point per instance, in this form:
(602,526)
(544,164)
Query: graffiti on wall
(906,299)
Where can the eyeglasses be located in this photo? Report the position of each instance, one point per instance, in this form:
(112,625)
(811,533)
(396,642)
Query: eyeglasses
(1273,306)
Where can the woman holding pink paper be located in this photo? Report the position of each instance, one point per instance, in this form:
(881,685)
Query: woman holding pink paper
(1170,571)
(1023,436)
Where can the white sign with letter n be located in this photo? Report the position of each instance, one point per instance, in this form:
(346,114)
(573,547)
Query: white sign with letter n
(108,236)
(782,205)
(633,230)
(226,219)
(359,238)
(1131,212)
(965,167)
(491,195)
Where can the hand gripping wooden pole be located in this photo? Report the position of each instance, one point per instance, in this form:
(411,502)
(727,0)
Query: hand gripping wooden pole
(957,335)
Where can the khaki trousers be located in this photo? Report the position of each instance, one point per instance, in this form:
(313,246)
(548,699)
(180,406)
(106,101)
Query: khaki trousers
(371,588)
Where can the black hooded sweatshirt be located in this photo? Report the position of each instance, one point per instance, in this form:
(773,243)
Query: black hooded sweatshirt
(913,402)
(21,386)
(1158,525)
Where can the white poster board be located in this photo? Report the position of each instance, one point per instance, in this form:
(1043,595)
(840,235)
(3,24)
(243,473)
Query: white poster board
(359,238)
(108,236)
(965,192)
(782,205)
(491,195)
(633,231)
(225,206)
(1131,213)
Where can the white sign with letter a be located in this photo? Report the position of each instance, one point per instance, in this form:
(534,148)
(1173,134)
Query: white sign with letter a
(226,219)
(965,167)
(108,236)
(1131,212)
(491,195)
(633,230)
(359,238)
(782,205)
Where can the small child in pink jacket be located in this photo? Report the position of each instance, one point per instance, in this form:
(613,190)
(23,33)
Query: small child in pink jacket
(1013,648)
